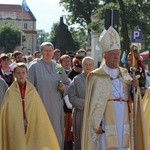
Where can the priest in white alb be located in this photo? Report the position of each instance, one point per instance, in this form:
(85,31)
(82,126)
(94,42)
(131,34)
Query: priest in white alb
(107,112)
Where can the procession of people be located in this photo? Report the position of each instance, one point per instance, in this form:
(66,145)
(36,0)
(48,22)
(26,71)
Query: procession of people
(51,101)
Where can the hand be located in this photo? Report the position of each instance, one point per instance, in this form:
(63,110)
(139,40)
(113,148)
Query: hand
(142,90)
(100,130)
(61,87)
(135,82)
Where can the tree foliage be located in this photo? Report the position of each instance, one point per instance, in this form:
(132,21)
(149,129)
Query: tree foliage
(138,17)
(42,36)
(10,38)
(133,15)
(79,35)
(80,10)
(53,31)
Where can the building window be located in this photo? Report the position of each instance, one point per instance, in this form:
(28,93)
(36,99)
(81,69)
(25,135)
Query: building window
(25,26)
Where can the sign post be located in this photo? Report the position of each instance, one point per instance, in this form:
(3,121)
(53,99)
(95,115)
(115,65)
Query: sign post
(136,38)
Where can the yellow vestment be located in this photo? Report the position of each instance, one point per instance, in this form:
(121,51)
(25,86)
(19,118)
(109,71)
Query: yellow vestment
(39,135)
(97,106)
(146,108)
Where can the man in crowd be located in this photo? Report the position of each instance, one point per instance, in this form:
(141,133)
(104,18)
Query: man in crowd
(37,54)
(57,54)
(106,123)
(17,57)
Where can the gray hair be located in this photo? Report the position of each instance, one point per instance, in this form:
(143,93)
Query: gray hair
(87,58)
(46,44)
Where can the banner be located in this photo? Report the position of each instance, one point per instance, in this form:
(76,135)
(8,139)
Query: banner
(145,54)
(25,6)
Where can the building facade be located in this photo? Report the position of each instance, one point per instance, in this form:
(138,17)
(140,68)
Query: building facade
(25,21)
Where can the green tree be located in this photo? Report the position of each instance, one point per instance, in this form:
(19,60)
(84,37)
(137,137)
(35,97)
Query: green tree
(98,25)
(138,17)
(53,31)
(42,36)
(79,34)
(10,38)
(133,15)
(80,10)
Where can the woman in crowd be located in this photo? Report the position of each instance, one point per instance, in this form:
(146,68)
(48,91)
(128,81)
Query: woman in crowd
(5,71)
(65,62)
(52,83)
(76,94)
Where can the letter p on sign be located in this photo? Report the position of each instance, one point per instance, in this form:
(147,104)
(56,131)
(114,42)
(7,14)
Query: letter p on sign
(136,36)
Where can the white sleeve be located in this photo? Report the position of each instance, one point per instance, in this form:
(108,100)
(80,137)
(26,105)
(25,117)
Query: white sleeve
(147,84)
(69,105)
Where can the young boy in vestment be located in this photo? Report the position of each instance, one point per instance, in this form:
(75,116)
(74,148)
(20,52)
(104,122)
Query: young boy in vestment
(24,123)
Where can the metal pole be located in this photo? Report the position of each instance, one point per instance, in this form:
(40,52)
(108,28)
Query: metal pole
(21,29)
(133,67)
(134,116)
(112,17)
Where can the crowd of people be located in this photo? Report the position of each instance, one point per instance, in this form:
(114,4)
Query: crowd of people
(50,101)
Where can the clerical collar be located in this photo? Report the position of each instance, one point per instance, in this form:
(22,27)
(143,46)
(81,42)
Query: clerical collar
(114,73)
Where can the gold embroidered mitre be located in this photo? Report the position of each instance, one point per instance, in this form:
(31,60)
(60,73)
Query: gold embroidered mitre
(109,40)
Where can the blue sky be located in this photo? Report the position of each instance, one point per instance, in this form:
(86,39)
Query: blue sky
(46,12)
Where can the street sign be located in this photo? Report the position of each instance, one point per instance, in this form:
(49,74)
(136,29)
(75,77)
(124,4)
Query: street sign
(136,36)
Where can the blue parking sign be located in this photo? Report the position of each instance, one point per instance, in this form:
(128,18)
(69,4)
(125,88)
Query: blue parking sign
(136,36)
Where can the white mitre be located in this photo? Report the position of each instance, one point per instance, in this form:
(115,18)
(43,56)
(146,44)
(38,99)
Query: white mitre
(109,40)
